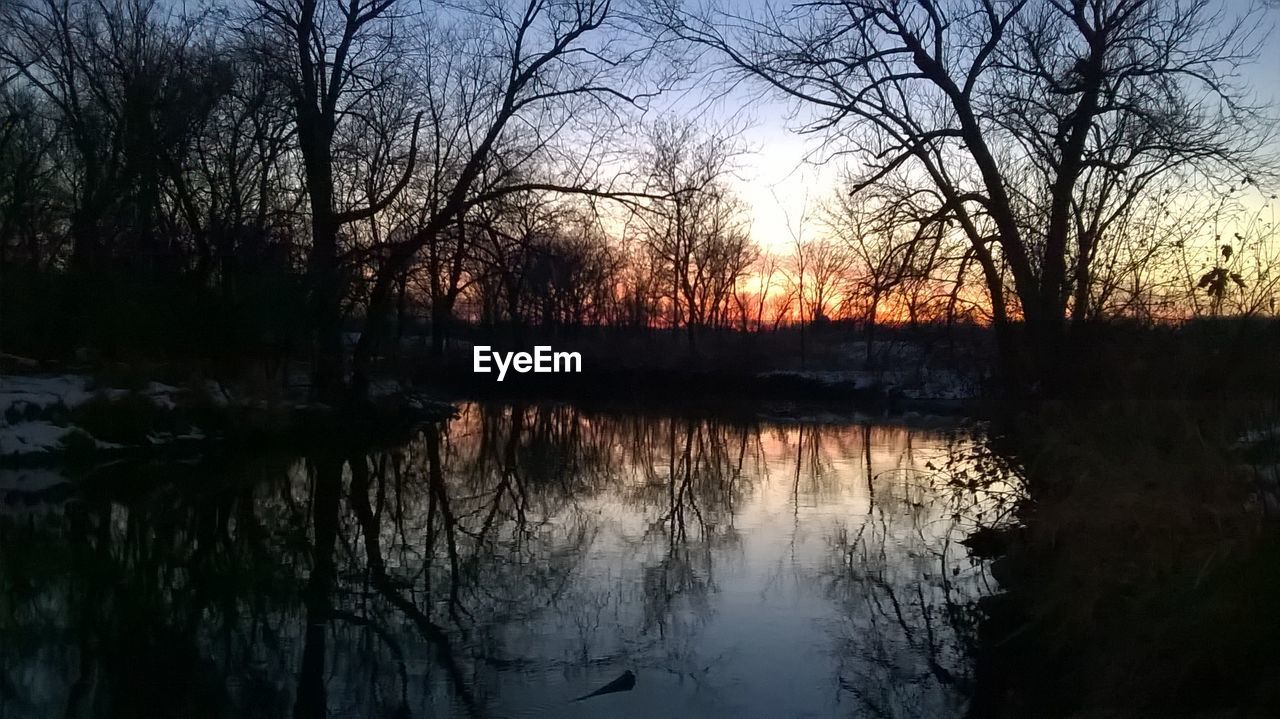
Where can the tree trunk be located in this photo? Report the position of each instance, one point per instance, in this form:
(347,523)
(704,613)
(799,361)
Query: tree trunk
(441,313)
(402,292)
(311,697)
(315,141)
(377,313)
(871,328)
(1009,358)
(328,373)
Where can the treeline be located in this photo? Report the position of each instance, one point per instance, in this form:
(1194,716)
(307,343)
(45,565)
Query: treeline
(262,178)
(305,178)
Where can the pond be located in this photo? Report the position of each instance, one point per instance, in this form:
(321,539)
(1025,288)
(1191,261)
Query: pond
(502,565)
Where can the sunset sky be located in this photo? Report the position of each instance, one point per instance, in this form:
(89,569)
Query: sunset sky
(778,184)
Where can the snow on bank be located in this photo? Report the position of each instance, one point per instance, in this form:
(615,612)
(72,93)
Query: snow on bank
(943,385)
(907,370)
(37,411)
(71,390)
(911,384)
(852,379)
(43,391)
(161,395)
(32,437)
(23,398)
(26,402)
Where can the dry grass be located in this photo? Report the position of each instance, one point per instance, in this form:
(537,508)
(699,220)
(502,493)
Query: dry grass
(1144,583)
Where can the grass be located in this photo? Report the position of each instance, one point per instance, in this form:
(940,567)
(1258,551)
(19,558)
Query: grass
(1144,580)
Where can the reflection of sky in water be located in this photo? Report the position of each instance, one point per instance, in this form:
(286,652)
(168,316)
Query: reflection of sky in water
(775,576)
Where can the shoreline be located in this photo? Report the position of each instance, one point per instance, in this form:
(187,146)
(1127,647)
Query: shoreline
(52,419)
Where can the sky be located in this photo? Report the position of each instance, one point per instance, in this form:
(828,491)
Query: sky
(781,187)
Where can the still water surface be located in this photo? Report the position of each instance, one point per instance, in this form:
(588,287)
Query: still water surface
(501,566)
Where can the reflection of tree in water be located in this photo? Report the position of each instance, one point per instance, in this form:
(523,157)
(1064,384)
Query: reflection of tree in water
(352,581)
(135,607)
(696,495)
(905,589)
(408,581)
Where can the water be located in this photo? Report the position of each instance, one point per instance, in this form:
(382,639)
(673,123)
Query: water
(503,565)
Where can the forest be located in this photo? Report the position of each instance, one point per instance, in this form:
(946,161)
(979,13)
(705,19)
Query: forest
(311,182)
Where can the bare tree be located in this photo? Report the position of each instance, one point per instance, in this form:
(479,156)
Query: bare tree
(890,252)
(30,195)
(127,88)
(338,55)
(696,238)
(555,68)
(751,298)
(827,264)
(1034,121)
